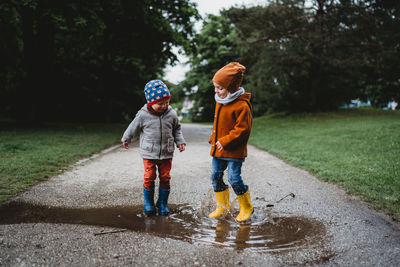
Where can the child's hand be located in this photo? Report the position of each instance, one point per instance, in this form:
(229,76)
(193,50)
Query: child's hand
(182,147)
(126,145)
(219,146)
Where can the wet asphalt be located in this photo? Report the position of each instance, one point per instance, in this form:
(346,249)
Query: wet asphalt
(91,215)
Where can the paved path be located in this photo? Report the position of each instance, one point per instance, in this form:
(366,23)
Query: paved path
(91,216)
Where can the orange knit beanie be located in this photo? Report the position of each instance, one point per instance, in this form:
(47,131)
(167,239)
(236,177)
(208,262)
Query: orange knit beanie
(230,76)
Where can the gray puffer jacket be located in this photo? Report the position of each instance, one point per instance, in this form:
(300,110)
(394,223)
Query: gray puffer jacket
(157,133)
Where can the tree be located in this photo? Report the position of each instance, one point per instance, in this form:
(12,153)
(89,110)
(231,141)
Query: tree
(380,35)
(293,61)
(10,45)
(315,59)
(87,60)
(214,49)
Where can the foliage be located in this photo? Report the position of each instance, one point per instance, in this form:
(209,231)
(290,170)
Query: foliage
(213,50)
(86,60)
(357,149)
(302,59)
(380,39)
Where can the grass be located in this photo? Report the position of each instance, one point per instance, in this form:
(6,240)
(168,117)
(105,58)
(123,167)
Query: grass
(356,149)
(29,155)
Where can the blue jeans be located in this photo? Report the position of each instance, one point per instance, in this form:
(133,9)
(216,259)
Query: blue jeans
(219,165)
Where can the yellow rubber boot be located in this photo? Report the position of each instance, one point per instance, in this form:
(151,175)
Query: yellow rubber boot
(246,208)
(223,204)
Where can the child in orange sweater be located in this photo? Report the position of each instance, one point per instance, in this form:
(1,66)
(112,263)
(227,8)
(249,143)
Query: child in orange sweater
(231,132)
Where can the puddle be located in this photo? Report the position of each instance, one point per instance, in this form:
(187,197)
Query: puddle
(265,233)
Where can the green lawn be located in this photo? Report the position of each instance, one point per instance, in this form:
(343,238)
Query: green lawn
(357,149)
(32,154)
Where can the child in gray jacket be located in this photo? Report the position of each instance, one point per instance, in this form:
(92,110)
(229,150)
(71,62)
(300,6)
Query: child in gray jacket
(159,129)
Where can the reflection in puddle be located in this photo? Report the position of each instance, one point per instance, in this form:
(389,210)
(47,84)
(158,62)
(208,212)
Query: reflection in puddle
(263,234)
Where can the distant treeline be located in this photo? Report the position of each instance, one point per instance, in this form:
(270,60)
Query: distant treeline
(301,56)
(73,60)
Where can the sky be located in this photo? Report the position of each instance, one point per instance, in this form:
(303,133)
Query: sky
(176,73)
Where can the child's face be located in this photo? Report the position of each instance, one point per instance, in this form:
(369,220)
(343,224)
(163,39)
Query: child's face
(161,106)
(220,91)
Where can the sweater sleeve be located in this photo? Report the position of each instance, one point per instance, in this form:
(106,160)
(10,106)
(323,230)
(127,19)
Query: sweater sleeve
(212,136)
(178,136)
(132,130)
(241,129)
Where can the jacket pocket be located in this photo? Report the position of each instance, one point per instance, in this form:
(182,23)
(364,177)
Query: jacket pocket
(147,145)
(170,146)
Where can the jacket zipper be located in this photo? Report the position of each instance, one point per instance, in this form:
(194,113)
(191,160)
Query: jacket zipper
(216,127)
(159,156)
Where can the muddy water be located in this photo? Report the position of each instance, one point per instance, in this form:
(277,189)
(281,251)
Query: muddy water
(264,233)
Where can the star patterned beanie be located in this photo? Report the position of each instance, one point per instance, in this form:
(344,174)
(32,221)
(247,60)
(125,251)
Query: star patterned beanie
(230,76)
(155,91)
